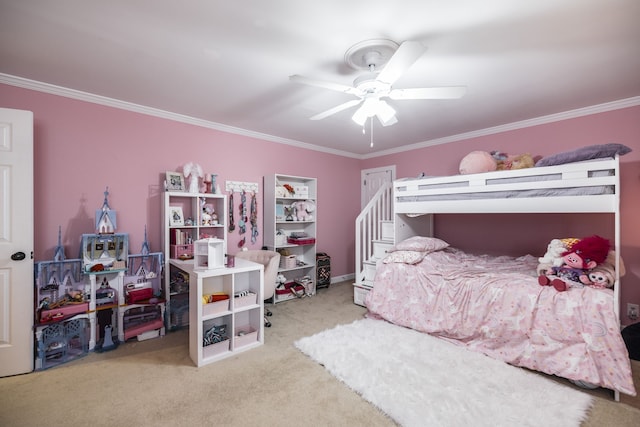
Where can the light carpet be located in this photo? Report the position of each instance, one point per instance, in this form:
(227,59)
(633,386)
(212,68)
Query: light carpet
(420,380)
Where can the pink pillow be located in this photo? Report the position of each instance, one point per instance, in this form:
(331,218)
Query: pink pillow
(420,244)
(405,257)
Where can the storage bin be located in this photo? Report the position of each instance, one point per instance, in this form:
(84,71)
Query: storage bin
(281,239)
(288,261)
(215,349)
(182,251)
(245,300)
(244,336)
(323,270)
(301,191)
(286,288)
(215,307)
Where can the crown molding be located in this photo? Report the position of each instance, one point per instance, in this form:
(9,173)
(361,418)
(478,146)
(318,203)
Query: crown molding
(572,114)
(115,103)
(124,105)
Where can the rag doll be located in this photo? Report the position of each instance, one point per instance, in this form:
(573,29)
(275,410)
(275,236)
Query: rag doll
(583,256)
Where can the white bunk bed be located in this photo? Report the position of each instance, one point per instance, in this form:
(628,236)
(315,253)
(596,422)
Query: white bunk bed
(581,187)
(591,186)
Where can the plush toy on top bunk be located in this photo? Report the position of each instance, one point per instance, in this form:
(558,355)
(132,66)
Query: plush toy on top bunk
(576,264)
(483,161)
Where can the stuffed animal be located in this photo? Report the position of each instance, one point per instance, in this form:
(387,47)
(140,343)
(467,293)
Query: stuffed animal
(583,256)
(519,161)
(603,275)
(280,279)
(209,216)
(477,162)
(512,161)
(553,257)
(303,209)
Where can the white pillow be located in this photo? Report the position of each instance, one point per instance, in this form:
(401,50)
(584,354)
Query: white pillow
(420,244)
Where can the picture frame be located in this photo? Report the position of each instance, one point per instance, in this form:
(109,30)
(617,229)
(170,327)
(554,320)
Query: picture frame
(280,215)
(176,216)
(174,181)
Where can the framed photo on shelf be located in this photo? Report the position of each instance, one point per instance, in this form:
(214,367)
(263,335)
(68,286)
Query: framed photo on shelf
(175,181)
(176,217)
(280,216)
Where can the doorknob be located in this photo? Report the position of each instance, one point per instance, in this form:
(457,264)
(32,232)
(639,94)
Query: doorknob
(18,256)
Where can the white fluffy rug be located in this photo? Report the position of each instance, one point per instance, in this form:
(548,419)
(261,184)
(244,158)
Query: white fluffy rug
(420,380)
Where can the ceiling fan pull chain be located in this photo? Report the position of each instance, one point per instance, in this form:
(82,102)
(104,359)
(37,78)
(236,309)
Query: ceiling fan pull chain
(371,136)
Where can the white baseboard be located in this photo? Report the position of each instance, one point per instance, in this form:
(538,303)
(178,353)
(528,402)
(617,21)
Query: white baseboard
(343,278)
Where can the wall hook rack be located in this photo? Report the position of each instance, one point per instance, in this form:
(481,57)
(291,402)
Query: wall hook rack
(239,186)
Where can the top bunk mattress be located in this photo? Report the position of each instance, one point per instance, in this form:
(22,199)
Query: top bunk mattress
(589,186)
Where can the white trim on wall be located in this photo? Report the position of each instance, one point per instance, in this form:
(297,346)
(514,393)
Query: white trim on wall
(115,103)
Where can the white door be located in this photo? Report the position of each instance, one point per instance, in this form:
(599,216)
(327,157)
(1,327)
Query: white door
(16,242)
(372,179)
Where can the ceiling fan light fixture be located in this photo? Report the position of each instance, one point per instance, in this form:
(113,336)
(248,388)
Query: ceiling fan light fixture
(385,112)
(375,107)
(360,116)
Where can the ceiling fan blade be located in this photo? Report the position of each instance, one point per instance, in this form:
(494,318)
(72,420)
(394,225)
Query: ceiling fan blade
(325,85)
(450,92)
(402,59)
(337,109)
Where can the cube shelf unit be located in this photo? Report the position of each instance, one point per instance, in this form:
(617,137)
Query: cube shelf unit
(241,316)
(275,222)
(179,244)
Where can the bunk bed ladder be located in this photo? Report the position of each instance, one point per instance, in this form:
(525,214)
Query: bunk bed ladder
(373,225)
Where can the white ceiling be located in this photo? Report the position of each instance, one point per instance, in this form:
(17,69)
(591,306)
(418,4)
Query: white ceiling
(227,63)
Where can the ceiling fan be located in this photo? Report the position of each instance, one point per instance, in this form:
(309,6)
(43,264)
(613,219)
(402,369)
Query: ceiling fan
(374,85)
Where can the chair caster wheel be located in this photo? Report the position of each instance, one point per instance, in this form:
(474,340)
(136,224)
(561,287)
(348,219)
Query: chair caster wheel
(269,314)
(267,324)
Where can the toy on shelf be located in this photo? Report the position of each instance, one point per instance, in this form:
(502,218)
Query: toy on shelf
(193,171)
(61,292)
(105,217)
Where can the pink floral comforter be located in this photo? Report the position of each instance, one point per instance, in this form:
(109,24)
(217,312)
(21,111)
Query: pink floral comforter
(494,305)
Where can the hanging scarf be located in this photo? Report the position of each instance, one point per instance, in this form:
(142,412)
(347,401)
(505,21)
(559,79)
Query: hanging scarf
(254,218)
(232,225)
(243,213)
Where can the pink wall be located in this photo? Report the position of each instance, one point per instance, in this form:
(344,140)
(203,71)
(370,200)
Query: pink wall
(518,234)
(81,148)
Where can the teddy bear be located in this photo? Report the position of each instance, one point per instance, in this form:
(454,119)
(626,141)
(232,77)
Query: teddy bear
(303,210)
(581,258)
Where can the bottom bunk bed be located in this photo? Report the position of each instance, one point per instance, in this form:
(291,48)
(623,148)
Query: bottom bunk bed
(495,305)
